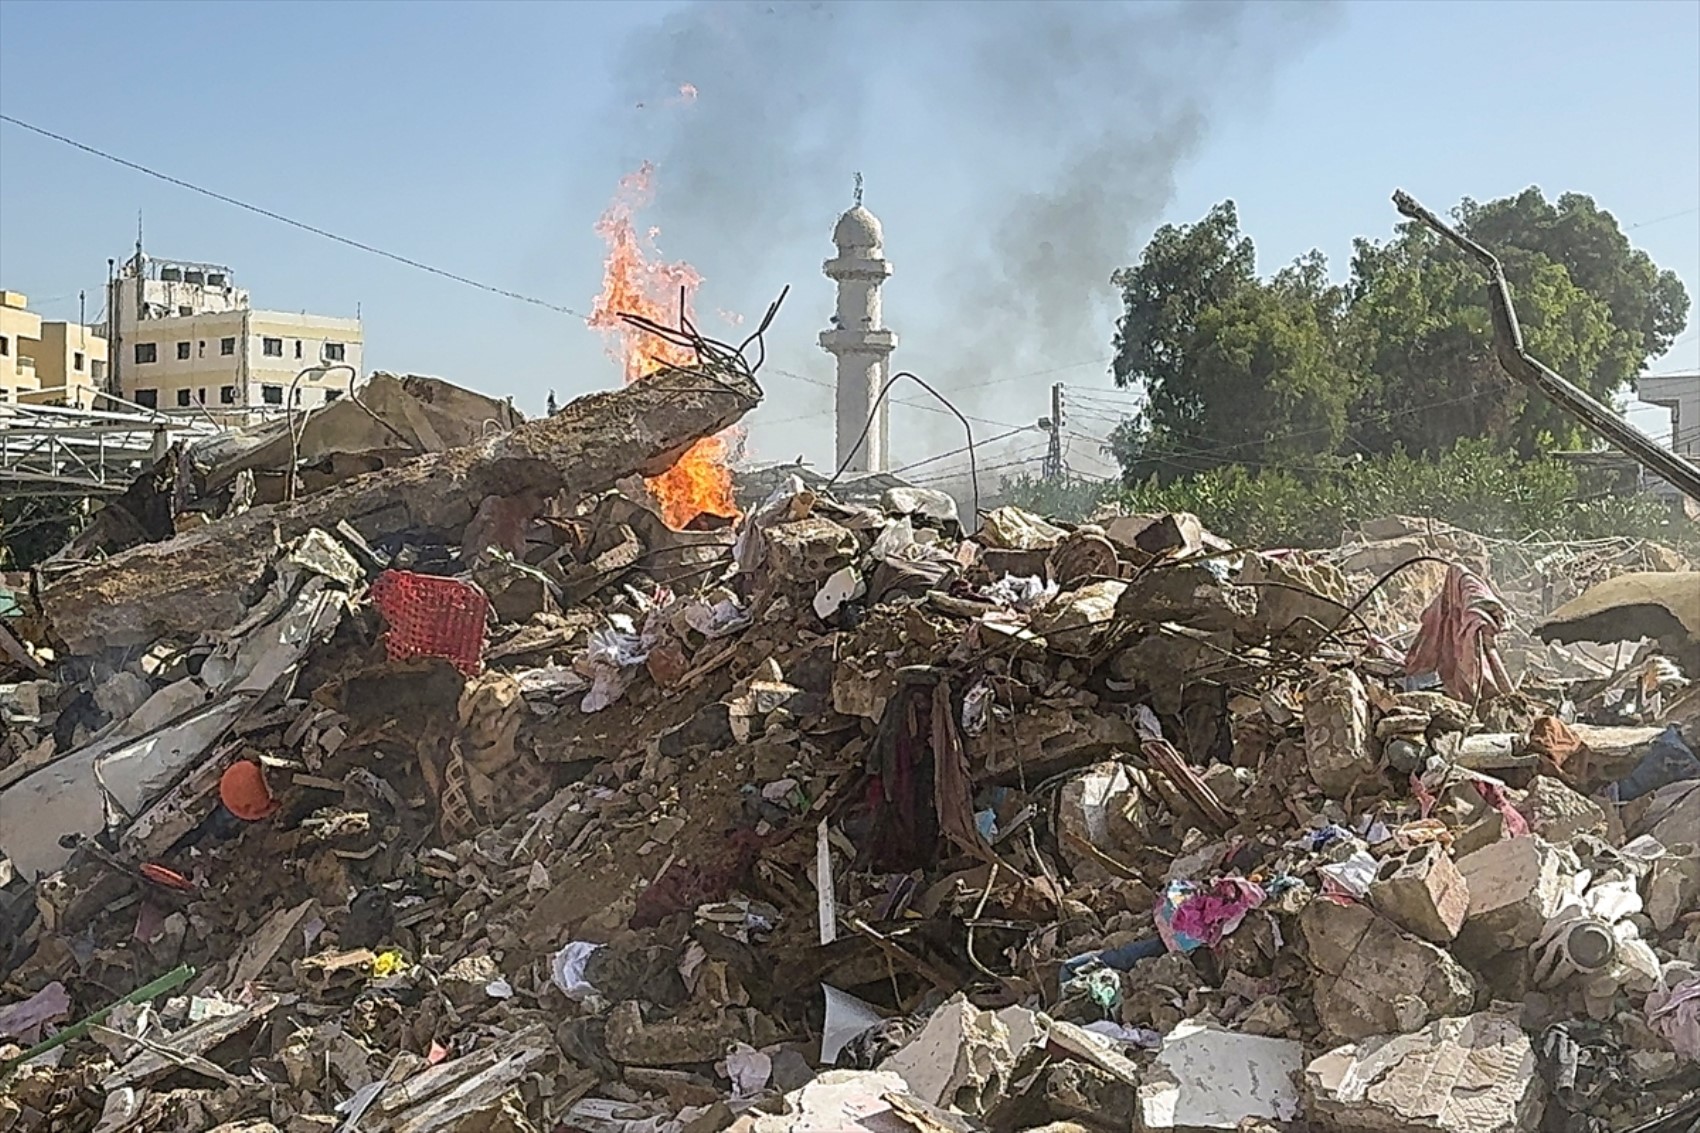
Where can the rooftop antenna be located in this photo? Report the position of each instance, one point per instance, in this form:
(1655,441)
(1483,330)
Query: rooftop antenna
(138,239)
(858,190)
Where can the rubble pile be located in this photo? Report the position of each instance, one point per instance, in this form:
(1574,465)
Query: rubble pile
(465,794)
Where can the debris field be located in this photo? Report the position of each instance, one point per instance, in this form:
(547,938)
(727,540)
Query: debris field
(412,774)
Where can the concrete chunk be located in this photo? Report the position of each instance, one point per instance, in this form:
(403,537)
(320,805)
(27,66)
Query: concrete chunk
(1208,1078)
(1376,980)
(195,582)
(1337,734)
(1423,893)
(1475,1074)
(1515,886)
(961,1058)
(1099,809)
(1559,814)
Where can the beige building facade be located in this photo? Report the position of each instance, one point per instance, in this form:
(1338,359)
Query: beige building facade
(46,362)
(1680,395)
(186,339)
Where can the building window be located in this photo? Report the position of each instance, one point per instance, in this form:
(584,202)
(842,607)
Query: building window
(78,361)
(272,395)
(271,347)
(331,395)
(146,352)
(298,348)
(182,351)
(201,348)
(183,398)
(227,346)
(227,395)
(97,369)
(147,398)
(185,312)
(5,394)
(5,345)
(201,395)
(298,395)
(334,352)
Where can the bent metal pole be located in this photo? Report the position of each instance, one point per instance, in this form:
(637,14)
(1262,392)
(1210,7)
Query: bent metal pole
(1675,469)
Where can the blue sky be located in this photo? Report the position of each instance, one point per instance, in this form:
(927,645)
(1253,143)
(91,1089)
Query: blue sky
(486,139)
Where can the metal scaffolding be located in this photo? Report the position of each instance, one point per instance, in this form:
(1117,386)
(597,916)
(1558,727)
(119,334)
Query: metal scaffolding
(58,451)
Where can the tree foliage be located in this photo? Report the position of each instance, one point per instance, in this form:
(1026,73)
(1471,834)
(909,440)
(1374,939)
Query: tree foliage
(1476,484)
(1295,372)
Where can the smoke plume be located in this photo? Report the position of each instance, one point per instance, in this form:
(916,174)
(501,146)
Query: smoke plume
(1049,137)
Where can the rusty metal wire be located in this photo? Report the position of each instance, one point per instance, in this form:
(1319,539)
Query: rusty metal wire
(973,465)
(715,360)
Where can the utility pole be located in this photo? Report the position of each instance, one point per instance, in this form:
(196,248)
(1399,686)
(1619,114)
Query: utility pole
(1053,468)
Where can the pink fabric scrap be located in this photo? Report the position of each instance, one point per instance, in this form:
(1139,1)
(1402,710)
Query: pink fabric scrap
(1191,916)
(1457,636)
(1515,825)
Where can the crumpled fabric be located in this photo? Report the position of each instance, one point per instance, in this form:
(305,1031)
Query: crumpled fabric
(612,658)
(1191,916)
(1457,636)
(1350,878)
(24,1020)
(1668,760)
(1024,593)
(1675,1014)
(1493,793)
(1553,738)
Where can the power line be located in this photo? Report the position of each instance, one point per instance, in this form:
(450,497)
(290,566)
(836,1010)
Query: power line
(304,226)
(954,452)
(1098,393)
(946,476)
(1662,219)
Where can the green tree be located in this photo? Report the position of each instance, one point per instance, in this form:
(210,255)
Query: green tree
(1421,339)
(1294,371)
(1235,369)
(1649,307)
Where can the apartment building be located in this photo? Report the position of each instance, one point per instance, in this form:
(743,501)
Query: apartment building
(185,337)
(46,362)
(1680,395)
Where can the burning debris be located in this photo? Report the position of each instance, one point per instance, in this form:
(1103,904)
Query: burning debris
(472,793)
(636,281)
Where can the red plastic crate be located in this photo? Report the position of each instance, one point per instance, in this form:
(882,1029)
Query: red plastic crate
(432,616)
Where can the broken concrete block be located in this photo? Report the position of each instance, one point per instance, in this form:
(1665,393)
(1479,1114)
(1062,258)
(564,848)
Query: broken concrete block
(196,581)
(1099,809)
(678,1042)
(1079,1097)
(1208,1078)
(1475,1074)
(806,551)
(1422,892)
(850,1100)
(1074,621)
(961,1058)
(1673,886)
(1376,980)
(1559,814)
(1673,814)
(1515,886)
(1337,734)
(468,980)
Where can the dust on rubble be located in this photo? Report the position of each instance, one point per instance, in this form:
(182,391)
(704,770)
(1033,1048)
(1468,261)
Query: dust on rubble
(851,815)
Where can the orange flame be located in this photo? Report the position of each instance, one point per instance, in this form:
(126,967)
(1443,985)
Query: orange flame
(635,280)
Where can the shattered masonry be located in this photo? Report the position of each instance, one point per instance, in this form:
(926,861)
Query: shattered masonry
(462,793)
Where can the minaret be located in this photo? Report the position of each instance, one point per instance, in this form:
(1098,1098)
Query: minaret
(858,338)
